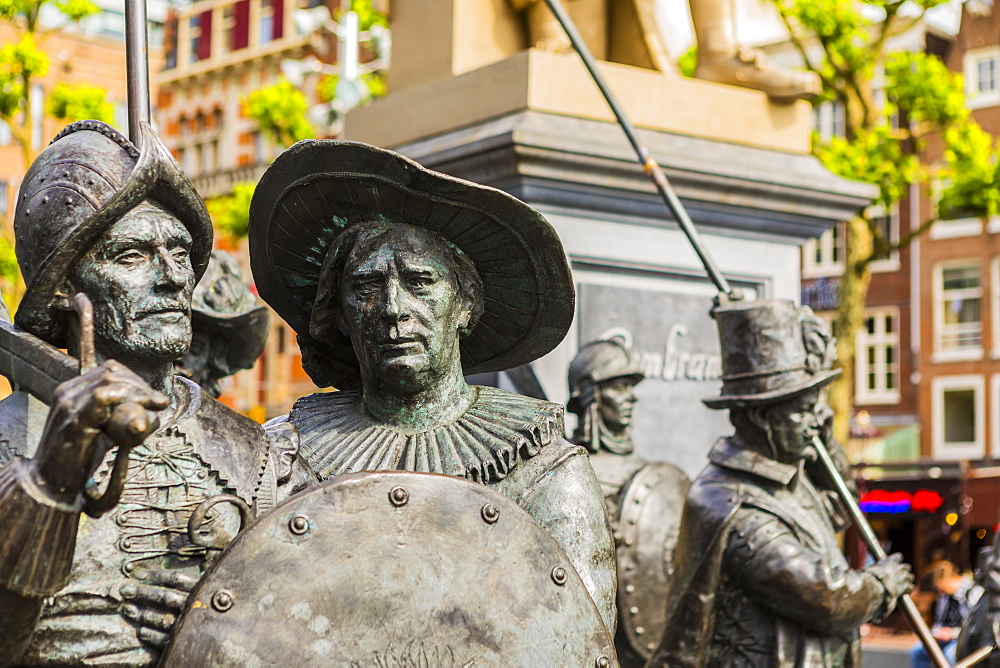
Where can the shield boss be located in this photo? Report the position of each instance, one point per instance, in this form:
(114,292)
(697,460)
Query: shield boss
(393,569)
(651,507)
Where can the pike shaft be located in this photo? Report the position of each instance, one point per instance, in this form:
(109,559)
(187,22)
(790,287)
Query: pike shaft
(906,603)
(649,164)
(137,67)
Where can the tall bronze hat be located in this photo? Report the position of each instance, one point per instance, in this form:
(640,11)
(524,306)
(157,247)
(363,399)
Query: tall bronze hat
(771,350)
(317,188)
(81,184)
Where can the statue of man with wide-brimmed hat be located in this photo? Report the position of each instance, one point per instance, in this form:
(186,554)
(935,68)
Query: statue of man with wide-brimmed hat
(229,326)
(100,542)
(759,577)
(400,281)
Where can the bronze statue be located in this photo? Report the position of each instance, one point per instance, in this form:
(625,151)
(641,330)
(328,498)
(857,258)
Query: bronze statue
(760,579)
(644,499)
(125,228)
(625,31)
(399,281)
(229,327)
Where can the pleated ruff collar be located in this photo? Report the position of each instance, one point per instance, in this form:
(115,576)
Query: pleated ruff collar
(500,430)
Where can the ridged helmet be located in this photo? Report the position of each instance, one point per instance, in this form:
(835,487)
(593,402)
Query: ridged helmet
(81,184)
(598,362)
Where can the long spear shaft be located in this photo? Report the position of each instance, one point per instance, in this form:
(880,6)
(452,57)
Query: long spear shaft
(649,164)
(137,67)
(906,603)
(673,202)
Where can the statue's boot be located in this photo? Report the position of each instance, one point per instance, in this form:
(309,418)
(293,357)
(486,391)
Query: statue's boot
(749,68)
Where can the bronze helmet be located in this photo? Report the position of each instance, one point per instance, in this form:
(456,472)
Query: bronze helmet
(81,184)
(597,362)
(771,350)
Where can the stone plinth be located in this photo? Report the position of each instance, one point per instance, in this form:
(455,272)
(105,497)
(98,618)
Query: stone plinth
(535,126)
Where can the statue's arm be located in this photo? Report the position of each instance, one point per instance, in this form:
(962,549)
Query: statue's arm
(782,575)
(566,499)
(41,498)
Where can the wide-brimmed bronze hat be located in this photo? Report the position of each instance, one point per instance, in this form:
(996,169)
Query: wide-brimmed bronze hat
(771,351)
(318,188)
(81,184)
(223,305)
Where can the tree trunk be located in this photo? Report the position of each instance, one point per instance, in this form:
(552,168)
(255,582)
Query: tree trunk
(849,319)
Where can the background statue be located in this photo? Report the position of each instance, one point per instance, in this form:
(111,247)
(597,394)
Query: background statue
(399,281)
(760,579)
(625,31)
(644,499)
(229,327)
(128,230)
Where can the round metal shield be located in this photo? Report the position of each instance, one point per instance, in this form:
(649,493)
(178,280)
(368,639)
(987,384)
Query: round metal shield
(649,521)
(393,569)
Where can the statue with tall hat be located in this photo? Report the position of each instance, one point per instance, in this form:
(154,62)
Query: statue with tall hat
(644,499)
(100,578)
(760,579)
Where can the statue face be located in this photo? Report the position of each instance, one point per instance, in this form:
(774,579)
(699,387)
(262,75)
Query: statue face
(139,277)
(793,423)
(401,308)
(615,400)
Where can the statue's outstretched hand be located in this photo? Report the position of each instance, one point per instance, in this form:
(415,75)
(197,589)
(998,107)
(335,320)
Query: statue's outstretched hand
(155,603)
(108,405)
(895,576)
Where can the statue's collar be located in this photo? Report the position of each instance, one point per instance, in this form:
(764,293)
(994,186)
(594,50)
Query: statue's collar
(499,430)
(727,453)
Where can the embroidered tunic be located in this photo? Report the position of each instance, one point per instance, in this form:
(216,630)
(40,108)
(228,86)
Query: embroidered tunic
(207,450)
(506,441)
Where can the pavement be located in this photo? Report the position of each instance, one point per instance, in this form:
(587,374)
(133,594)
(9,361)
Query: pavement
(886,651)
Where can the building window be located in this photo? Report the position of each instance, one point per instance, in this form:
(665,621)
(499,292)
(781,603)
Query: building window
(888,224)
(37,101)
(266,21)
(982,77)
(877,367)
(200,28)
(6,137)
(825,256)
(4,200)
(958,309)
(957,415)
(829,120)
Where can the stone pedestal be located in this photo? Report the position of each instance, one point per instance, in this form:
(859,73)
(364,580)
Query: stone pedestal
(535,125)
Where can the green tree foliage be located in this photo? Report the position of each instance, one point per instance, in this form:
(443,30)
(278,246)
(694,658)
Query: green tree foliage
(231,213)
(76,103)
(280,112)
(885,138)
(24,60)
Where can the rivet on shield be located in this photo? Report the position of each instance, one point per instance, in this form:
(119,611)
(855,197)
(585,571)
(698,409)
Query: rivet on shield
(633,610)
(490,513)
(603,662)
(298,525)
(559,575)
(639,630)
(629,588)
(222,600)
(398,496)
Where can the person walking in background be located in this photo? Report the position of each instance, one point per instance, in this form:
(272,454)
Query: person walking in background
(950,609)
